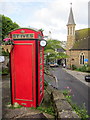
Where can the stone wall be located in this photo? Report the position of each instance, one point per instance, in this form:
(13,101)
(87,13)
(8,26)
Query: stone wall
(5,63)
(70,42)
(62,108)
(74,57)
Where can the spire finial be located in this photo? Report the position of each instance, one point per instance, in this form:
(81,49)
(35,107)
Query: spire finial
(71,4)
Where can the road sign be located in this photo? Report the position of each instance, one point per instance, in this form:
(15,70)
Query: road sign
(2,59)
(86,60)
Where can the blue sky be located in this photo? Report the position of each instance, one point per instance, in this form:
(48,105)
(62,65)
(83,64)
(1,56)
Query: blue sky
(50,15)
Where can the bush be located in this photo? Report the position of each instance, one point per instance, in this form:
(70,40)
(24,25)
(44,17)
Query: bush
(73,67)
(88,69)
(85,68)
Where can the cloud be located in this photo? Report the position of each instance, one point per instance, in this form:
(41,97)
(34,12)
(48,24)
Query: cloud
(55,16)
(81,26)
(8,8)
(24,1)
(50,15)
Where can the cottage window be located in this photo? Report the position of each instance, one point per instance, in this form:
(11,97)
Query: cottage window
(81,58)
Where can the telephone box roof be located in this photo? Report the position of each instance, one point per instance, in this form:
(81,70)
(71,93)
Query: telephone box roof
(36,30)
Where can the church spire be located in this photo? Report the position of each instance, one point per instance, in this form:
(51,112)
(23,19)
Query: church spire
(71,18)
(70,30)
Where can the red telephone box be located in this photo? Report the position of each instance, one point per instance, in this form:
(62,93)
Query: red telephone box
(27,67)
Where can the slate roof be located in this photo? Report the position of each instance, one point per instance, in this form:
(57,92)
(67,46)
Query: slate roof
(82,40)
(71,18)
(83,44)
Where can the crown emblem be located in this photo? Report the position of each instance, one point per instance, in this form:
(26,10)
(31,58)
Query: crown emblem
(22,31)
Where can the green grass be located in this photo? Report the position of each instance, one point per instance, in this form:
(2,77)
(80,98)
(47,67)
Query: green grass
(48,110)
(47,104)
(12,106)
(81,111)
(5,71)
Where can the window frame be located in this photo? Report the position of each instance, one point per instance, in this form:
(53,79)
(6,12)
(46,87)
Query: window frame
(81,58)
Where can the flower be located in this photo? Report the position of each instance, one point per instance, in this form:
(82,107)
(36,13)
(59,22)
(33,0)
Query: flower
(7,41)
(69,90)
(67,87)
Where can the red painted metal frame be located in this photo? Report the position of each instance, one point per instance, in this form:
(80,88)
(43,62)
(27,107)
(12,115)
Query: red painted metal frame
(24,68)
(40,73)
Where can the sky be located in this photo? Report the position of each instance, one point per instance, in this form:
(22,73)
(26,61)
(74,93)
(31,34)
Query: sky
(50,15)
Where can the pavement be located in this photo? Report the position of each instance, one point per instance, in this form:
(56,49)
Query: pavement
(78,75)
(23,112)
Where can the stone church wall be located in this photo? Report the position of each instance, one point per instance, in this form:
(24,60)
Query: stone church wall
(74,58)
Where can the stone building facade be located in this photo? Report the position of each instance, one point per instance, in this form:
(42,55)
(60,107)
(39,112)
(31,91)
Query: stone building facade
(77,47)
(75,57)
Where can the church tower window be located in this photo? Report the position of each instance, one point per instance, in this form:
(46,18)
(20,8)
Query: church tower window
(73,31)
(70,30)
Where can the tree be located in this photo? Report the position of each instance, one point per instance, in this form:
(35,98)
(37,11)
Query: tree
(51,53)
(7,25)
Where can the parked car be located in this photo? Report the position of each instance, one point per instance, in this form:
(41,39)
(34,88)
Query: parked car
(87,78)
(53,65)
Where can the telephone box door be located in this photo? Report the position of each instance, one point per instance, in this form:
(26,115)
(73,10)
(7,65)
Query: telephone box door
(23,73)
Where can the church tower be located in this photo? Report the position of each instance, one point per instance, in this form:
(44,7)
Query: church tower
(70,30)
(70,36)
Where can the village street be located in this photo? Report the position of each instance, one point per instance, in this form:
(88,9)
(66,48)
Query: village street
(79,90)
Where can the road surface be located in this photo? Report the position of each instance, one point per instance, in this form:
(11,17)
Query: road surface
(79,91)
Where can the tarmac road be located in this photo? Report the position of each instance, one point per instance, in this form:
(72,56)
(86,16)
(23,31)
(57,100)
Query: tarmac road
(79,90)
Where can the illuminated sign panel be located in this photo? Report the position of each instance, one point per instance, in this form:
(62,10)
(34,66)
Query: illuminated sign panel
(20,36)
